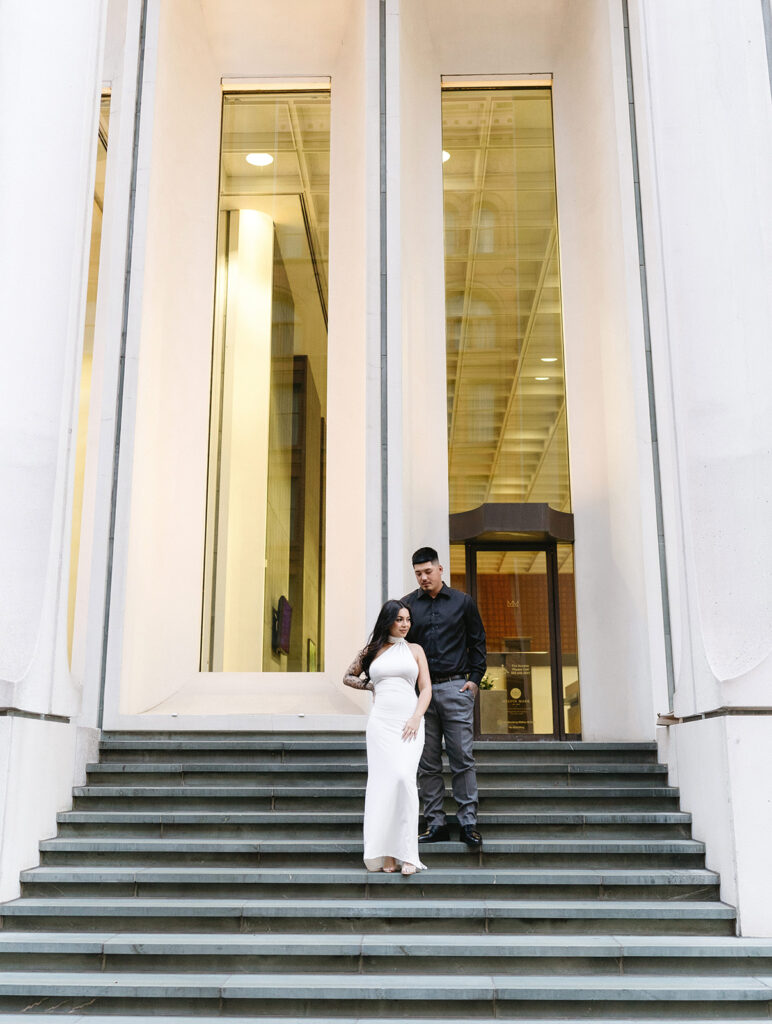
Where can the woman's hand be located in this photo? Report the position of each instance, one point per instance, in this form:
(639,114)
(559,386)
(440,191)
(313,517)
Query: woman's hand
(412,726)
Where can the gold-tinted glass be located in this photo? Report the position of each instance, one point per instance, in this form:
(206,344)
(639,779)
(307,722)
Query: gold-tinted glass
(85,371)
(507,430)
(507,437)
(264,558)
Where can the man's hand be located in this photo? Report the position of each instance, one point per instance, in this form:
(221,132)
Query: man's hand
(469,685)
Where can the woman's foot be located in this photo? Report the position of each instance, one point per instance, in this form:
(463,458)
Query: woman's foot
(389,865)
(409,869)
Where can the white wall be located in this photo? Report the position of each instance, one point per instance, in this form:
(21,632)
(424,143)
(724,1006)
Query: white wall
(722,766)
(40,762)
(168,359)
(156,598)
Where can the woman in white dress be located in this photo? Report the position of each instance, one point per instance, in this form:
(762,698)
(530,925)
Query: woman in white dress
(395,739)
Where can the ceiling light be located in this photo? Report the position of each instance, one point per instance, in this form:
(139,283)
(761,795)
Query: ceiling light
(259,159)
(549,359)
(445,156)
(541,378)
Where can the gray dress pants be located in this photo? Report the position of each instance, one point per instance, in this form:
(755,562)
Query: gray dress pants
(449,715)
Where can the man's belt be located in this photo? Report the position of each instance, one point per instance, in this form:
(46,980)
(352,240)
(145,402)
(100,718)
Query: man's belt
(448,679)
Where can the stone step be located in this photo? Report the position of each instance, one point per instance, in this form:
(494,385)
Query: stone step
(299,994)
(348,824)
(471,880)
(348,857)
(240,790)
(488,756)
(607,774)
(219,874)
(314,799)
(316,847)
(139,1018)
(357,777)
(372,915)
(369,953)
(322,745)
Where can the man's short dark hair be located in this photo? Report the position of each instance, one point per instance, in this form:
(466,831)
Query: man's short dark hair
(426,555)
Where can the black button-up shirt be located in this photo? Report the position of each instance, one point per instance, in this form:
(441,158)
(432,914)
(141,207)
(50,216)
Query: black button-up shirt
(450,630)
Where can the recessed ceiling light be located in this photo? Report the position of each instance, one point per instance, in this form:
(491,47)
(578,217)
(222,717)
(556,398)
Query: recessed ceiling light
(259,159)
(549,359)
(541,378)
(445,156)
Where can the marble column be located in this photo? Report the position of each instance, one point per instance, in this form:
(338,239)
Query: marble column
(50,68)
(50,77)
(705,141)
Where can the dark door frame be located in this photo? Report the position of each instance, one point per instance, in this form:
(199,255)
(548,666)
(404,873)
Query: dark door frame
(550,547)
(520,526)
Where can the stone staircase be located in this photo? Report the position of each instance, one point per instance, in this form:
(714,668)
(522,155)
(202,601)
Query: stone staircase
(220,875)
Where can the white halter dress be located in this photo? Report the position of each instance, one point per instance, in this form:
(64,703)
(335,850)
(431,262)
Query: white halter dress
(391,802)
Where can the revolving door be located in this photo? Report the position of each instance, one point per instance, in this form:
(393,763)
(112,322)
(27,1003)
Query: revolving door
(522,580)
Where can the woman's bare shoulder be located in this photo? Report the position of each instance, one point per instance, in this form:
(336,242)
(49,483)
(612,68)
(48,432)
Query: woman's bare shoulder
(416,649)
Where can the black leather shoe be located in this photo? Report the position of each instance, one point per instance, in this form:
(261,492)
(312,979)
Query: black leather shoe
(468,834)
(438,834)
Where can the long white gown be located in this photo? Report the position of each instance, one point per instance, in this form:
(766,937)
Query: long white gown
(391,801)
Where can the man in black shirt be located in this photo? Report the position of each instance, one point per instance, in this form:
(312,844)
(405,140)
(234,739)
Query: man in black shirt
(447,624)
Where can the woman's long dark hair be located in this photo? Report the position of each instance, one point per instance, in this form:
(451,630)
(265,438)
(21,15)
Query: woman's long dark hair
(387,616)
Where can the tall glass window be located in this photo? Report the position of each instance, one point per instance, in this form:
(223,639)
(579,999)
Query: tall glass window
(264,558)
(85,370)
(507,433)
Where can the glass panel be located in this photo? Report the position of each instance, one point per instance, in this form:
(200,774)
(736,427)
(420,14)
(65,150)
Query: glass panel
(507,430)
(516,695)
(572,715)
(507,436)
(264,559)
(458,567)
(85,371)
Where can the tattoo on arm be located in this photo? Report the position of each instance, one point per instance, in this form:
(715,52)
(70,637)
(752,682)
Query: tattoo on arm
(353,676)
